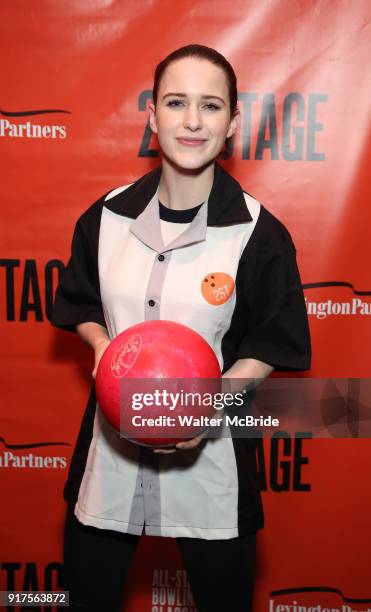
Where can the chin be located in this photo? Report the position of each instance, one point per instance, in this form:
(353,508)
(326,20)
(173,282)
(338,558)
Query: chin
(189,163)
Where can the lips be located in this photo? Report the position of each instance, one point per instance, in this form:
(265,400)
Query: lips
(191,142)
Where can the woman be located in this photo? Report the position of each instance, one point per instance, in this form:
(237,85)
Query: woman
(145,251)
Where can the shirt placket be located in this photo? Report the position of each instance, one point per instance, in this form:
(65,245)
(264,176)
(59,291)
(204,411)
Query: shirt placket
(149,460)
(155,285)
(147,228)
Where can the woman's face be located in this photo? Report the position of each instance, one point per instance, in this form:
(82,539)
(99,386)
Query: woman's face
(192,116)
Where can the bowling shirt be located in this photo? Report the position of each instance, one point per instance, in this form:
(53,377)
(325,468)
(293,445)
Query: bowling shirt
(232,277)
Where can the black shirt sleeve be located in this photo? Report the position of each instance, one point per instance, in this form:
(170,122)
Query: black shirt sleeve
(270,321)
(77,297)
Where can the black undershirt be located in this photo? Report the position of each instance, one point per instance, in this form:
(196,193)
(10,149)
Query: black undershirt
(178,216)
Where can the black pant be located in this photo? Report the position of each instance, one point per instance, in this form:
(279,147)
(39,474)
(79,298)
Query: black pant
(97,561)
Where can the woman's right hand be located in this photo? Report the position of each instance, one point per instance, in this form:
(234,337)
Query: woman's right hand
(97,337)
(99,350)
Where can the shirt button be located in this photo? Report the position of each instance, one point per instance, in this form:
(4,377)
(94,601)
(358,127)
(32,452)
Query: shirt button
(151,303)
(161,257)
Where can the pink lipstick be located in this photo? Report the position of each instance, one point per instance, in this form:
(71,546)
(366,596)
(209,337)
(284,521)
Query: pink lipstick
(191,142)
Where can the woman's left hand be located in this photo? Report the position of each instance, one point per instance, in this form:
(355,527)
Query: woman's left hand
(188,444)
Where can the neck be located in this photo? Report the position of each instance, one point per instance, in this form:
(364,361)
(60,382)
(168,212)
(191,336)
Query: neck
(184,189)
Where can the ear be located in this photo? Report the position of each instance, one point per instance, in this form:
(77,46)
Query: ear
(152,118)
(234,123)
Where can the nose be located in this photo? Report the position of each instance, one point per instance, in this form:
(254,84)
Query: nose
(192,118)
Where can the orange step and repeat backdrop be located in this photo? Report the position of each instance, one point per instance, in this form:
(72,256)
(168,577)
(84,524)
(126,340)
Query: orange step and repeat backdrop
(76,83)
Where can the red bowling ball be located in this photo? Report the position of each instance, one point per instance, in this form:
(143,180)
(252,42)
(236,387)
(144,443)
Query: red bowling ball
(150,380)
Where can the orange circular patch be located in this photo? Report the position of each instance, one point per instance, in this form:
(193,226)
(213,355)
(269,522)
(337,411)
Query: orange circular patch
(217,288)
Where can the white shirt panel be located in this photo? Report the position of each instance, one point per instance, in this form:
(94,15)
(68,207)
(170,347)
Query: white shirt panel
(125,266)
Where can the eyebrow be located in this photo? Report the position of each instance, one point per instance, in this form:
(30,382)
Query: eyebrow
(203,97)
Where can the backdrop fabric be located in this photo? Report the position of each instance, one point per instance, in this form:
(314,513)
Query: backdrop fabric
(76,84)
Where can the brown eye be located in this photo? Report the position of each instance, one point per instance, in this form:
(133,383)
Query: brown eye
(174,103)
(211,106)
